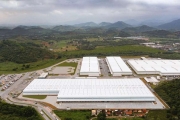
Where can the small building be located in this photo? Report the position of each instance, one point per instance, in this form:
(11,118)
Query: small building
(93,113)
(43,76)
(128,112)
(143,58)
(151,80)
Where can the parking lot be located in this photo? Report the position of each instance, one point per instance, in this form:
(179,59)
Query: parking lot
(104,68)
(8,80)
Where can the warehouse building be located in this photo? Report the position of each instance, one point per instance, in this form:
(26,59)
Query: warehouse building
(160,67)
(90,66)
(91,90)
(117,66)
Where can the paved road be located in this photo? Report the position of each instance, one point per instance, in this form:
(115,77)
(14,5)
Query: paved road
(14,86)
(76,74)
(19,85)
(104,68)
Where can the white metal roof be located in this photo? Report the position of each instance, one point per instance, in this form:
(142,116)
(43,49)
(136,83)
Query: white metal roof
(164,67)
(43,75)
(116,64)
(131,89)
(151,79)
(89,64)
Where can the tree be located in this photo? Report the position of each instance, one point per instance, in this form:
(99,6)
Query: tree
(101,116)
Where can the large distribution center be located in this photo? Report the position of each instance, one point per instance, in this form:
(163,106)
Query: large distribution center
(161,67)
(117,66)
(132,89)
(90,66)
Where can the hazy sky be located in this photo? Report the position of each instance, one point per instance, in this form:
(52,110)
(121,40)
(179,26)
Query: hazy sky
(53,12)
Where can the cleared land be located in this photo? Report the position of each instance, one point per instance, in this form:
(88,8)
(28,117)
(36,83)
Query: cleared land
(70,64)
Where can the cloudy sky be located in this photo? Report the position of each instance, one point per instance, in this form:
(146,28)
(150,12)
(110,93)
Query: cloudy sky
(54,12)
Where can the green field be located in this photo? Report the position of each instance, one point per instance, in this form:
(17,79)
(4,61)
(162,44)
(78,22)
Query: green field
(35,96)
(132,118)
(62,45)
(7,67)
(71,64)
(74,114)
(94,39)
(157,115)
(129,50)
(58,45)
(108,119)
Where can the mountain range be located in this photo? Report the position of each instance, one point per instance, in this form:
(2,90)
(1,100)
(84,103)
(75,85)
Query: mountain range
(91,27)
(174,25)
(130,24)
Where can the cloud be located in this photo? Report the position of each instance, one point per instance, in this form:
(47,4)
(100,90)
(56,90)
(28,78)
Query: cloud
(77,11)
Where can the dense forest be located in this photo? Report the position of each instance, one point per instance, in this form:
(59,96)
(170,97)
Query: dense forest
(170,92)
(15,112)
(23,52)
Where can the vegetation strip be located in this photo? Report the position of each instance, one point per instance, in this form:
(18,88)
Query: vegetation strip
(46,114)
(16,112)
(35,96)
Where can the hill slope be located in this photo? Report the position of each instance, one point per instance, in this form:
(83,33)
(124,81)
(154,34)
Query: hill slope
(119,24)
(23,52)
(89,24)
(104,23)
(157,33)
(169,91)
(64,28)
(174,25)
(142,28)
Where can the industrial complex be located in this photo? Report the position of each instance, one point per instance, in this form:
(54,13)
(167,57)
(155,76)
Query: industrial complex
(106,83)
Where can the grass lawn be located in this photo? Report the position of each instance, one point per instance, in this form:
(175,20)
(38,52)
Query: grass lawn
(7,67)
(35,96)
(157,115)
(132,118)
(93,39)
(74,114)
(70,64)
(108,119)
(62,46)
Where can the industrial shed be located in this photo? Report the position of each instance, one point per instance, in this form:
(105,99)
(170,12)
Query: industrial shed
(131,89)
(117,66)
(160,67)
(90,66)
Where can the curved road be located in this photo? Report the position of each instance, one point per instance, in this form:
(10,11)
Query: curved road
(20,85)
